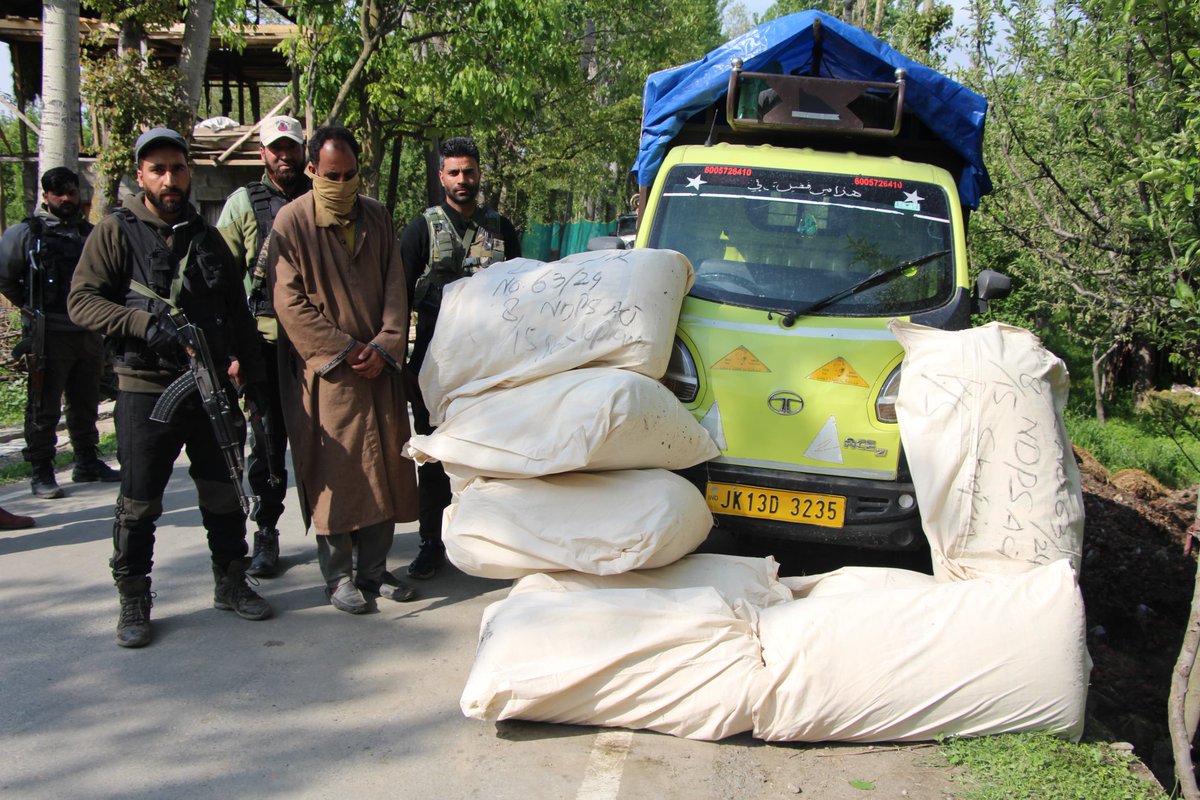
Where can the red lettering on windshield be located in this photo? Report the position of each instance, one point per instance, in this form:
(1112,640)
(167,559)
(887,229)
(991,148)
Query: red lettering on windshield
(716,170)
(886,183)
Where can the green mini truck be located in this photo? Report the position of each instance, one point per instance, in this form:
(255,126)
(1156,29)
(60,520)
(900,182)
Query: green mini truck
(814,208)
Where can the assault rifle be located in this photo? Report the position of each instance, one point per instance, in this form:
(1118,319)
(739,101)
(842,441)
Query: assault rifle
(34,347)
(263,423)
(202,376)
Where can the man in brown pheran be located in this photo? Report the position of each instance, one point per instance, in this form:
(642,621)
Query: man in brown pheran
(340,298)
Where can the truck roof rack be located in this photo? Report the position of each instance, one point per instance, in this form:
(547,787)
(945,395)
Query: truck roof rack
(764,101)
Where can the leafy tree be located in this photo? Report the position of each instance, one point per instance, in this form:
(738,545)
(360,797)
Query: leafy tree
(1091,207)
(552,90)
(128,91)
(916,28)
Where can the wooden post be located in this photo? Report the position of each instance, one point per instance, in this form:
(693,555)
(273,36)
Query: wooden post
(255,108)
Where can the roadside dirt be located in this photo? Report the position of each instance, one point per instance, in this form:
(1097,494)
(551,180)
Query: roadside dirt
(1137,583)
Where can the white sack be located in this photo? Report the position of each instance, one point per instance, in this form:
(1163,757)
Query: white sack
(1001,654)
(678,662)
(525,319)
(741,581)
(586,419)
(601,523)
(851,580)
(980,415)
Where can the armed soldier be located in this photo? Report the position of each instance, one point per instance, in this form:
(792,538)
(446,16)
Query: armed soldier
(245,224)
(37,259)
(146,271)
(447,242)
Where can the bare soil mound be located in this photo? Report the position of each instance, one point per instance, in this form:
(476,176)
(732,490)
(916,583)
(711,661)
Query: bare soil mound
(1137,581)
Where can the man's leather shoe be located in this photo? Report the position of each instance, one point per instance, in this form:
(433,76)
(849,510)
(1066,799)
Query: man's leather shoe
(12,522)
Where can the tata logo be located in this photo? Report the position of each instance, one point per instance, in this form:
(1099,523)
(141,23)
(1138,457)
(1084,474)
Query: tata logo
(786,403)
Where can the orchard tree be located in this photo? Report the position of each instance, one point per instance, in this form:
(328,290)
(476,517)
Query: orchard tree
(1092,206)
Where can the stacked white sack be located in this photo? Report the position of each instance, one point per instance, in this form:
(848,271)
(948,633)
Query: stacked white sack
(523,319)
(603,523)
(999,654)
(980,415)
(587,419)
(851,580)
(674,661)
(746,584)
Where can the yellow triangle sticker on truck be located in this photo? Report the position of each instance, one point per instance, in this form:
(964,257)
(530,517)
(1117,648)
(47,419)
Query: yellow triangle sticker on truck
(741,360)
(838,371)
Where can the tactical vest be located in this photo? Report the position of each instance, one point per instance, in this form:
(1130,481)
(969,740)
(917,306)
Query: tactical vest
(58,255)
(452,258)
(266,205)
(200,291)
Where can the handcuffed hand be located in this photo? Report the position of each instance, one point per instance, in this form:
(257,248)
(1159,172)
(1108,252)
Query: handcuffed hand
(366,361)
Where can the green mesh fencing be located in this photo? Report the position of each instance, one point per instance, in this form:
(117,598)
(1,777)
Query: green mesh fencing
(550,241)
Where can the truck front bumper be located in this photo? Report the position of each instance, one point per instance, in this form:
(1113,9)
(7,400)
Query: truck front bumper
(879,514)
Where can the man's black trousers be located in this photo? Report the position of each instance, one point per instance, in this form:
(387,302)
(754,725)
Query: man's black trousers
(74,363)
(268,508)
(147,451)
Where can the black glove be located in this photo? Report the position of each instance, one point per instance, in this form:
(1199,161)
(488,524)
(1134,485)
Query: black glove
(164,338)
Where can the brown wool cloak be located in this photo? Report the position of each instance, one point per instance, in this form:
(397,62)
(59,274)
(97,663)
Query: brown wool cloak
(346,432)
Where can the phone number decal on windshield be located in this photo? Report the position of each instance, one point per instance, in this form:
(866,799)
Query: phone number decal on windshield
(885,183)
(714,170)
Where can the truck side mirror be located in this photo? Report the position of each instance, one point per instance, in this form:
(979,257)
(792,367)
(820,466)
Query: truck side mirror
(990,285)
(605,243)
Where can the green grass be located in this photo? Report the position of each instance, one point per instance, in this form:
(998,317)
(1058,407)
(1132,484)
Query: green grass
(1132,438)
(12,402)
(1136,442)
(21,470)
(1030,766)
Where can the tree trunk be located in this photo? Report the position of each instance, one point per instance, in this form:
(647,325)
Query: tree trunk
(59,143)
(433,187)
(880,5)
(372,145)
(1098,375)
(394,172)
(132,36)
(1181,737)
(372,29)
(197,32)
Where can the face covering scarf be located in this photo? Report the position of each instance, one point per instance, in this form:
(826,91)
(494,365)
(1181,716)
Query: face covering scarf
(334,199)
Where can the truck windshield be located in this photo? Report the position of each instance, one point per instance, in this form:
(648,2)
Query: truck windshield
(780,240)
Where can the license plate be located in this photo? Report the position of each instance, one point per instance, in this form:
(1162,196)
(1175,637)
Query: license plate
(827,510)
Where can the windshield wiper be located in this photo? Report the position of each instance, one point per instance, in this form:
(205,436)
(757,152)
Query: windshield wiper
(874,279)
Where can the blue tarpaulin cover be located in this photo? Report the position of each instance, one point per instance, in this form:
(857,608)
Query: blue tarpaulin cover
(954,113)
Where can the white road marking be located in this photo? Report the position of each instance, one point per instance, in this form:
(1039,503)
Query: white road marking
(602,778)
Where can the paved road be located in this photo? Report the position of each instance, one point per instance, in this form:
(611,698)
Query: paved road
(316,703)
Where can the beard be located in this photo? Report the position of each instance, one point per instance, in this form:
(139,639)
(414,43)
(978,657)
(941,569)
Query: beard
(173,204)
(462,195)
(64,210)
(287,177)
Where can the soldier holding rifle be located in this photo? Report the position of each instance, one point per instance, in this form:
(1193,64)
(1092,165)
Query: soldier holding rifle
(162,285)
(37,259)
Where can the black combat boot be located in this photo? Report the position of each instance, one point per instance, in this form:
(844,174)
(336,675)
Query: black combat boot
(232,593)
(90,469)
(430,558)
(133,626)
(266,554)
(43,484)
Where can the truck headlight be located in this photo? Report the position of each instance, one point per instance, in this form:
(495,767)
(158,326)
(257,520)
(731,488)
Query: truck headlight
(681,377)
(885,405)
